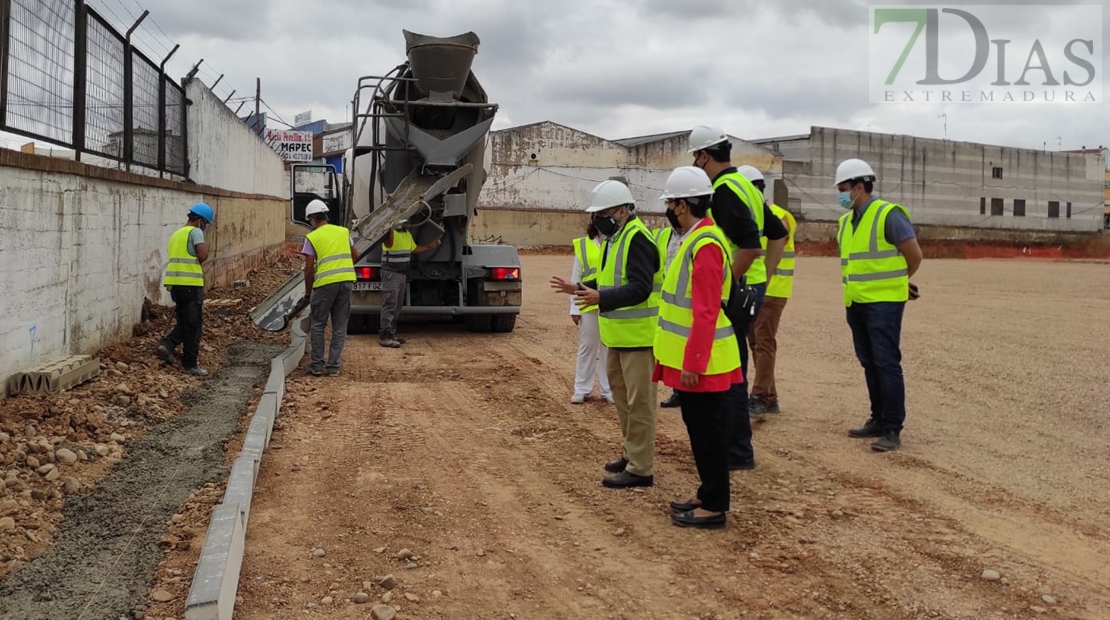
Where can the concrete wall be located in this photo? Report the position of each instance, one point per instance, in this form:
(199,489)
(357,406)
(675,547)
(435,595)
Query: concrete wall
(546,166)
(82,247)
(943,182)
(225,153)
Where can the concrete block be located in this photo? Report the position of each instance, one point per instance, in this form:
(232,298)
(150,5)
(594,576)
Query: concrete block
(216,579)
(240,486)
(275,384)
(292,356)
(55,375)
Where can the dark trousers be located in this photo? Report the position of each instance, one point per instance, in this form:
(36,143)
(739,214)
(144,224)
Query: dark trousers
(189,302)
(736,399)
(393,297)
(704,416)
(331,301)
(877,334)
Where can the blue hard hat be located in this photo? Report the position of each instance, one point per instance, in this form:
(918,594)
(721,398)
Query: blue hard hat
(204,211)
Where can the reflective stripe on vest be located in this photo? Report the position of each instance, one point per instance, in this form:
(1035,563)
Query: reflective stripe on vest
(676,308)
(872,269)
(332,245)
(753,198)
(631,327)
(662,244)
(399,254)
(182,268)
(782,284)
(588,254)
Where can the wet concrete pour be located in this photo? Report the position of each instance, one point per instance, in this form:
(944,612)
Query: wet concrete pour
(103,560)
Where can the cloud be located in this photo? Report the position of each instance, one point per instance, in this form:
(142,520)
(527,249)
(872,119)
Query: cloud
(608,67)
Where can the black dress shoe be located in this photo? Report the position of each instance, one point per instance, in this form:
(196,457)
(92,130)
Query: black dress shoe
(687,519)
(627,480)
(889,442)
(671,402)
(742,466)
(686,506)
(873,428)
(616,466)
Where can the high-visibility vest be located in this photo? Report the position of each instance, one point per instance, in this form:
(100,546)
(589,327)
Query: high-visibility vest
(782,283)
(588,254)
(662,242)
(676,307)
(183,269)
(634,326)
(332,245)
(872,269)
(751,196)
(398,255)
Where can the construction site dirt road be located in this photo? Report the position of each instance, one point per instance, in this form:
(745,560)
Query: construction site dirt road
(458,466)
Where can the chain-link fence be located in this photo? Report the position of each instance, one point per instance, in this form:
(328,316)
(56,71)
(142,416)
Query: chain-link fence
(68,77)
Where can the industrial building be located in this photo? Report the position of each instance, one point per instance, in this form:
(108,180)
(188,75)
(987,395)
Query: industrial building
(949,183)
(550,167)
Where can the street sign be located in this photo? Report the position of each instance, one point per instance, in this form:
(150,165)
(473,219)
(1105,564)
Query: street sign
(302,118)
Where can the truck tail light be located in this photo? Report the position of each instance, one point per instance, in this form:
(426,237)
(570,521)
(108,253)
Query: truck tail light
(368,273)
(511,274)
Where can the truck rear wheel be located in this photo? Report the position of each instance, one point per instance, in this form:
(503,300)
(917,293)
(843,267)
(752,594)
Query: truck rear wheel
(503,323)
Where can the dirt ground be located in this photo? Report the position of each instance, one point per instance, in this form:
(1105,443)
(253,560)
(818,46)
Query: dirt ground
(458,466)
(94,475)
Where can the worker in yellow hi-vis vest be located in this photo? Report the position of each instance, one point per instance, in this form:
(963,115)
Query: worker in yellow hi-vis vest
(762,337)
(592,353)
(397,251)
(185,280)
(624,293)
(667,240)
(879,254)
(329,279)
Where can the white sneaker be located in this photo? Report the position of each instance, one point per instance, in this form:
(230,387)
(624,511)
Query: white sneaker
(577,399)
(609,399)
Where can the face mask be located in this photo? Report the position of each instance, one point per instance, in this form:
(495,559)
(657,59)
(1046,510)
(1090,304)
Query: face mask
(606,225)
(672,217)
(696,165)
(845,199)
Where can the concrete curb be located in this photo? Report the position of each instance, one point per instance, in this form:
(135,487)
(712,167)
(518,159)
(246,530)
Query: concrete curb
(216,579)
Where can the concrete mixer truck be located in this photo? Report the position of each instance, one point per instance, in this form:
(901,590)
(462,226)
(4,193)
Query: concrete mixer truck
(419,157)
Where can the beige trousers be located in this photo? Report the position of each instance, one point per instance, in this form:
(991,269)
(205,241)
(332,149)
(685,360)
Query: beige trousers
(630,379)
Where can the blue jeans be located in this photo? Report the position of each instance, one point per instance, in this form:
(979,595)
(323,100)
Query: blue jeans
(877,333)
(735,400)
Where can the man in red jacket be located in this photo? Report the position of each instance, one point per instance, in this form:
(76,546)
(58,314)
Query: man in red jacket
(695,346)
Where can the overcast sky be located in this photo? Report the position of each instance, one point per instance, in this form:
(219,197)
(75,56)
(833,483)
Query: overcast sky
(615,69)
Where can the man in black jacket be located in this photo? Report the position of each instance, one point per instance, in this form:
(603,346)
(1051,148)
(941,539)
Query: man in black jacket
(735,201)
(628,319)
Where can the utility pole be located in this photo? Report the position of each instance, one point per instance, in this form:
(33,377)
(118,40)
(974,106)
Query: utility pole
(257,103)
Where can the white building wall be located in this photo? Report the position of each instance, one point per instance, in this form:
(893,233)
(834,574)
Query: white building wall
(547,166)
(225,153)
(944,182)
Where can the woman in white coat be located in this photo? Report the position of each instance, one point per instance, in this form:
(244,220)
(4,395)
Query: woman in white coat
(591,353)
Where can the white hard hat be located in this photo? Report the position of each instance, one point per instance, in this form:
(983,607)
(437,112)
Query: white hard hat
(751,173)
(685,182)
(853,169)
(314,207)
(608,194)
(705,136)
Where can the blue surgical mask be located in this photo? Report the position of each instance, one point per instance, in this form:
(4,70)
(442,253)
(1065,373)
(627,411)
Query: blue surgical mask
(845,199)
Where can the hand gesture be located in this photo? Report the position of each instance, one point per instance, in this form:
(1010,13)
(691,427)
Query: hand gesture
(690,379)
(587,297)
(913,292)
(577,318)
(562,286)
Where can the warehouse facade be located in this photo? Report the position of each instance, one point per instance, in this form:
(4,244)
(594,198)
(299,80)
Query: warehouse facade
(948,183)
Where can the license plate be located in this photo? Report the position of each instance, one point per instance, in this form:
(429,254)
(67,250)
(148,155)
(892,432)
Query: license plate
(368,286)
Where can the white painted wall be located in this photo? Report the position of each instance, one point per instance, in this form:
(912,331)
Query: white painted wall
(79,256)
(225,153)
(550,167)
